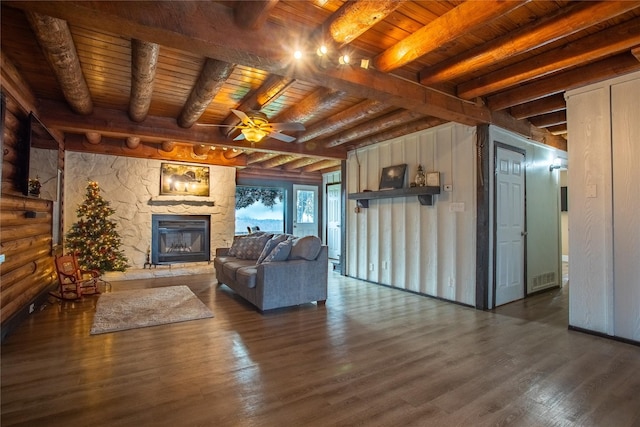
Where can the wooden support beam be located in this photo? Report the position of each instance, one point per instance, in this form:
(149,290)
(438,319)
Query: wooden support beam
(144,61)
(277,161)
(548,104)
(232,153)
(587,49)
(258,157)
(251,15)
(299,163)
(93,137)
(57,45)
(354,18)
(361,111)
(393,119)
(604,69)
(132,142)
(116,124)
(636,52)
(323,164)
(168,146)
(235,45)
(14,84)
(213,75)
(563,22)
(457,22)
(313,104)
(415,126)
(551,119)
(201,149)
(179,153)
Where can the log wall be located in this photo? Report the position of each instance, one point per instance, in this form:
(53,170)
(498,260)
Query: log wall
(28,271)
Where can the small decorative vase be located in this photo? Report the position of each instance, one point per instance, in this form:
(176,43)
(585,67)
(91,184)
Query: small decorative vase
(421,179)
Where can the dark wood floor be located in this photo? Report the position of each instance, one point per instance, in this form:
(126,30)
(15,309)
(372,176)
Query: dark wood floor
(374,356)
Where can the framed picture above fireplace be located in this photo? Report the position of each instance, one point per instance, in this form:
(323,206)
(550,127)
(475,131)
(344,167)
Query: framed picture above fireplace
(185,180)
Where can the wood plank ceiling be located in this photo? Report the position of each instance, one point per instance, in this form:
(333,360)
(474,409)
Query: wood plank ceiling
(140,78)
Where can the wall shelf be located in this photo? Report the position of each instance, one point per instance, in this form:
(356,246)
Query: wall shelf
(424,194)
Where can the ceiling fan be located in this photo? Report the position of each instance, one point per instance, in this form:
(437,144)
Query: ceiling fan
(255,125)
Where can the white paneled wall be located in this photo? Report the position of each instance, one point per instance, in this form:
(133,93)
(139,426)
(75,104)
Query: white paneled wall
(604,241)
(398,242)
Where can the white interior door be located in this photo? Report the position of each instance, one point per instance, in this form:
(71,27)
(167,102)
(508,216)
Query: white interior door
(305,210)
(334,217)
(510,226)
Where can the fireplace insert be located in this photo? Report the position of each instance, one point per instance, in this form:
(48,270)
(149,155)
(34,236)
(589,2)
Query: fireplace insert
(179,238)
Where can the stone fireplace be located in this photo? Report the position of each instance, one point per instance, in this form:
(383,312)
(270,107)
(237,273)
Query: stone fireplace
(179,239)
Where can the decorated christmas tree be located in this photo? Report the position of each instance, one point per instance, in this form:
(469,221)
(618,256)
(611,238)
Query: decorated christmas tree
(94,237)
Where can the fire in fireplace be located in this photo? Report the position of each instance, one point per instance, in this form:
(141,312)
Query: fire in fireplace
(179,238)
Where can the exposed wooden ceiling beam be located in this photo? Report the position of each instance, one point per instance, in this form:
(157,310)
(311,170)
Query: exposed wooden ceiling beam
(57,45)
(551,119)
(395,118)
(152,21)
(591,48)
(310,106)
(557,83)
(354,18)
(170,151)
(300,163)
(253,14)
(414,126)
(636,52)
(258,157)
(277,161)
(562,23)
(214,74)
(323,164)
(144,60)
(548,104)
(459,21)
(115,123)
(13,82)
(335,123)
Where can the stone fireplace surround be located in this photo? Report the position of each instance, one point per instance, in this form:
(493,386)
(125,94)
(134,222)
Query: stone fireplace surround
(132,187)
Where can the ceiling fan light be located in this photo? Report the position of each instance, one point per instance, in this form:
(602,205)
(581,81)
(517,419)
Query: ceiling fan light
(253,134)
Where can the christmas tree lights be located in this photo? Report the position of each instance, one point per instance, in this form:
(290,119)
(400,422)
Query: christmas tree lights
(94,237)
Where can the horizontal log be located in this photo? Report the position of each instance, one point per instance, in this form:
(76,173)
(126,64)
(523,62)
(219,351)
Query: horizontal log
(17,232)
(550,119)
(8,218)
(16,260)
(598,71)
(25,203)
(23,271)
(10,293)
(548,104)
(38,284)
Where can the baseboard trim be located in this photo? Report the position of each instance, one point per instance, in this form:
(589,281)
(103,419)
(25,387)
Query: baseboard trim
(601,335)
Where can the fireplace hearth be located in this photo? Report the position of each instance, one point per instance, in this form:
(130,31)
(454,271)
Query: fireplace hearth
(179,239)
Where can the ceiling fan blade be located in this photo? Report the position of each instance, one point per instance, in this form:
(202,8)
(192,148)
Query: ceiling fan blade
(215,126)
(287,126)
(281,136)
(243,117)
(240,137)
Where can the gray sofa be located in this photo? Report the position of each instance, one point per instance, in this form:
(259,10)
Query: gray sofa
(274,271)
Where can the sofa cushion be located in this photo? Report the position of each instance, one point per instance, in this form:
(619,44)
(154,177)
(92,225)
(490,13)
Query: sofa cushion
(246,276)
(280,252)
(307,247)
(230,268)
(268,247)
(249,247)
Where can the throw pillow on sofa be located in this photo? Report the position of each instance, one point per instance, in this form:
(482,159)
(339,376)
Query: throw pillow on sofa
(249,247)
(307,247)
(280,252)
(271,243)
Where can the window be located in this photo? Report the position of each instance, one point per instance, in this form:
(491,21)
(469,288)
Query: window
(305,211)
(261,207)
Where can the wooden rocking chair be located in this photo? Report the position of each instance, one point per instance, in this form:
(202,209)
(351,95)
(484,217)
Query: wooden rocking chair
(73,282)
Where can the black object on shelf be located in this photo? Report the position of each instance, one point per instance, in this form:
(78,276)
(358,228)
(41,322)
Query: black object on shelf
(424,194)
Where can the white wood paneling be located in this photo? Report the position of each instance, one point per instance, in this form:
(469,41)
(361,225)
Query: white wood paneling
(603,214)
(625,135)
(398,242)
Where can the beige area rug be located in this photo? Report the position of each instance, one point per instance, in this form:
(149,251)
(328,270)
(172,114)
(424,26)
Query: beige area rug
(122,310)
